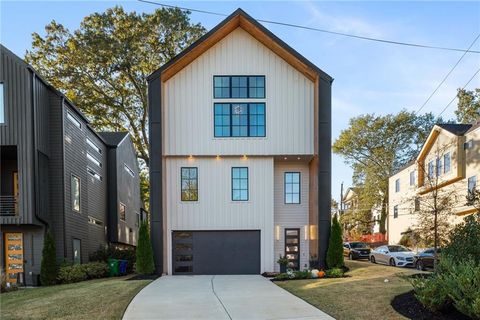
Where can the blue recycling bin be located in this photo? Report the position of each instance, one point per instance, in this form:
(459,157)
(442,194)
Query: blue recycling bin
(123,267)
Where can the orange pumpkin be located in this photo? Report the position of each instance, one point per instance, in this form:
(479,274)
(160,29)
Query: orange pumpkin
(321,274)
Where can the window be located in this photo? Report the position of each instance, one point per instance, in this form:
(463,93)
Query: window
(397,185)
(395,212)
(137,223)
(94,174)
(417,204)
(292,187)
(93,145)
(77,251)
(468,144)
(239,119)
(472,184)
(2,104)
(239,184)
(239,87)
(73,120)
(189,182)
(122,211)
(412,177)
(130,171)
(75,193)
(95,221)
(439,167)
(430,169)
(93,159)
(446,162)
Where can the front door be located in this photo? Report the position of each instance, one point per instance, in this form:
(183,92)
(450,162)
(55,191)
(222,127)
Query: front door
(13,255)
(292,248)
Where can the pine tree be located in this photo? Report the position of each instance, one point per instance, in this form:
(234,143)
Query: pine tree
(48,268)
(335,246)
(144,262)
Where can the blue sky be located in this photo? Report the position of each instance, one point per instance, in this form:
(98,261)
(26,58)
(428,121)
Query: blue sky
(369,77)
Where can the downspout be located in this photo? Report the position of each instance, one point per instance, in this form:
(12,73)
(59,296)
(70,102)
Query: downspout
(35,154)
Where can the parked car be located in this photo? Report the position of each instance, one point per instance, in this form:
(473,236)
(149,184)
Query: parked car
(424,259)
(395,256)
(356,250)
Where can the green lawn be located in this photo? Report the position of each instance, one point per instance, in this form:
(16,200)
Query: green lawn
(94,299)
(364,295)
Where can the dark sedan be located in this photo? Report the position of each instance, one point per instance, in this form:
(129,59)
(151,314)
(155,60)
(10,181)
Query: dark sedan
(424,259)
(356,250)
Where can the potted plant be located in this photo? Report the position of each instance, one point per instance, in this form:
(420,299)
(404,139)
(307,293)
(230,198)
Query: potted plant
(282,261)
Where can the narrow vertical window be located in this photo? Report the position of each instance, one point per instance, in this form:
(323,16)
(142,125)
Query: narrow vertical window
(439,167)
(222,120)
(292,187)
(472,184)
(122,211)
(75,193)
(446,162)
(397,185)
(240,120)
(412,177)
(395,212)
(430,169)
(77,251)
(2,104)
(257,119)
(239,184)
(189,182)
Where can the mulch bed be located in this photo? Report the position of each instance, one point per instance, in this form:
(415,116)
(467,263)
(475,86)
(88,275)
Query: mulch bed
(408,306)
(143,277)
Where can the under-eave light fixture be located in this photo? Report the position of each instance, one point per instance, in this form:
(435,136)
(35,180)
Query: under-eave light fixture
(277,232)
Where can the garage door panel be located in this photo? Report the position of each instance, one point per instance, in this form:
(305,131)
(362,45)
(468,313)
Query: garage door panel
(217,252)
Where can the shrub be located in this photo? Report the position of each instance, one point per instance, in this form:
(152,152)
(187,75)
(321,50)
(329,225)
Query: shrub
(431,292)
(465,241)
(48,266)
(145,263)
(334,273)
(110,252)
(335,245)
(95,269)
(281,277)
(70,274)
(302,274)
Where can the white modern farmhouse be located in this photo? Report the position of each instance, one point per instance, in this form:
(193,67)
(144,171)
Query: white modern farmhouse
(240,170)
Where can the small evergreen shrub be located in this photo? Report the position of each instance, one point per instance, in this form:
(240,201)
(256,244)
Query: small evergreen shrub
(48,266)
(334,273)
(145,264)
(95,270)
(335,245)
(431,292)
(71,274)
(465,241)
(302,274)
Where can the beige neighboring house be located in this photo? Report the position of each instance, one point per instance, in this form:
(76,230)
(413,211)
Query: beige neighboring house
(350,201)
(451,157)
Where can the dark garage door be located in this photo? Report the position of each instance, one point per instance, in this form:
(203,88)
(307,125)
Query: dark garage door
(216,252)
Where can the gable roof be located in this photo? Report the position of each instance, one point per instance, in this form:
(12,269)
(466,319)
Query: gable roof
(113,138)
(239,18)
(456,129)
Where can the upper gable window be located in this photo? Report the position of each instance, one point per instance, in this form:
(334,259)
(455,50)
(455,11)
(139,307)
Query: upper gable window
(239,87)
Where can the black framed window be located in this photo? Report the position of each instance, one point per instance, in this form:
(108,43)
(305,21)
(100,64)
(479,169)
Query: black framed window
(395,212)
(239,87)
(77,251)
(239,120)
(412,178)
(292,187)
(189,182)
(122,211)
(75,193)
(397,185)
(239,184)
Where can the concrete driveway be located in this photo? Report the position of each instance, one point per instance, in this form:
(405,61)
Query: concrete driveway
(218,297)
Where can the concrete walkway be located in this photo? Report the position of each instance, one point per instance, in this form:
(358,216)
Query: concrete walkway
(218,297)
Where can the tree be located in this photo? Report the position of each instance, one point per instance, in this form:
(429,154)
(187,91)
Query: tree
(102,66)
(473,199)
(335,245)
(376,146)
(468,108)
(48,266)
(144,261)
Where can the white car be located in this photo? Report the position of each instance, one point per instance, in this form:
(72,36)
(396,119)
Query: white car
(395,256)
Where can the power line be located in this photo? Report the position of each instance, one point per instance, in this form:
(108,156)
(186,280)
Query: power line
(448,74)
(466,84)
(417,45)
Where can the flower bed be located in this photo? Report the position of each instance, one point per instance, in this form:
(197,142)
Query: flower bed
(310,274)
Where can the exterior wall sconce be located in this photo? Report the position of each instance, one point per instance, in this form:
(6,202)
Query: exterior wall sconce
(305,231)
(277,232)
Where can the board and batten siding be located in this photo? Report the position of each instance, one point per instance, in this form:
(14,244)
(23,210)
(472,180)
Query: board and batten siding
(291,216)
(188,100)
(215,209)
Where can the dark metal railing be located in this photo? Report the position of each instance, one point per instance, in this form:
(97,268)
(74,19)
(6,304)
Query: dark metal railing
(8,206)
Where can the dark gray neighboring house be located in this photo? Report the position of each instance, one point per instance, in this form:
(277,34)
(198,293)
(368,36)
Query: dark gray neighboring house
(57,173)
